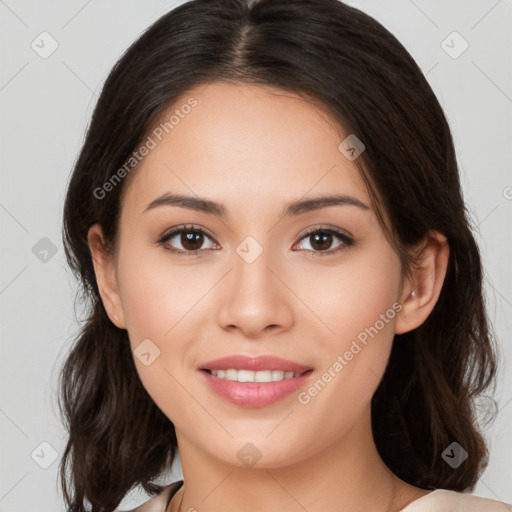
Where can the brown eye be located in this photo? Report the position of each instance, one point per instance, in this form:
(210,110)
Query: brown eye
(186,240)
(321,241)
(191,240)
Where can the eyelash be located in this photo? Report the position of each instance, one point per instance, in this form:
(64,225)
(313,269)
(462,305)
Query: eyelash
(347,241)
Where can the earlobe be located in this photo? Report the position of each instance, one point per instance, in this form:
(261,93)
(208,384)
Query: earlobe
(104,269)
(421,293)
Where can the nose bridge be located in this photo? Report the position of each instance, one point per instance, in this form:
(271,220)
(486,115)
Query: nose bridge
(253,297)
(251,272)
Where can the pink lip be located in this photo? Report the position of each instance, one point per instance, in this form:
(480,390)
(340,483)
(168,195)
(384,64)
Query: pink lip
(264,362)
(254,394)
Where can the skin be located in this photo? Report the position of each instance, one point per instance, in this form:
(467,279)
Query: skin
(254,149)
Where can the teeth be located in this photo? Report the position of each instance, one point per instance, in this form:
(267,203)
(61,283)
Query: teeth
(252,376)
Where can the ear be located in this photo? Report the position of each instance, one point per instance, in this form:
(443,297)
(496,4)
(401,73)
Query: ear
(420,293)
(105,271)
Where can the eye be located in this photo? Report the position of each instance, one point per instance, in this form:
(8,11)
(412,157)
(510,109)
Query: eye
(190,238)
(321,240)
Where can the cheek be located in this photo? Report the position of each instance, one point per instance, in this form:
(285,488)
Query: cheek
(162,303)
(352,296)
(360,309)
(158,297)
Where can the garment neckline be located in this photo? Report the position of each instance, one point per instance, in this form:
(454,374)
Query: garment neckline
(425,498)
(176,486)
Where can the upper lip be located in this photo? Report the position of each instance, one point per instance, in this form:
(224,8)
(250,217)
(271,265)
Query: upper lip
(263,362)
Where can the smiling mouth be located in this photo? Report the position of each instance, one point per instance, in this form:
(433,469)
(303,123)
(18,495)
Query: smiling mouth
(255,376)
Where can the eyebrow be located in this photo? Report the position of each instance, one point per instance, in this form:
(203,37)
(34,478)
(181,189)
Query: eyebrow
(295,208)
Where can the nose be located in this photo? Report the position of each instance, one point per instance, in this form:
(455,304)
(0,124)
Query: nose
(254,298)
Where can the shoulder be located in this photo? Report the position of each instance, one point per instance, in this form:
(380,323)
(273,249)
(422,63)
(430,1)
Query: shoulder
(160,501)
(443,500)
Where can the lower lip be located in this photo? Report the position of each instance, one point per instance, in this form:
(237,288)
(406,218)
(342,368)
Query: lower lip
(254,394)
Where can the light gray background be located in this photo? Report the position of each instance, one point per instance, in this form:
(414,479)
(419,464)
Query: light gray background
(45,107)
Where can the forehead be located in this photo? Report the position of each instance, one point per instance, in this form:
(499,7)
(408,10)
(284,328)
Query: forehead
(248,145)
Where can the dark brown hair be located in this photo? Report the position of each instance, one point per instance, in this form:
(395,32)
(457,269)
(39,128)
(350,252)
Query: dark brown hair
(349,63)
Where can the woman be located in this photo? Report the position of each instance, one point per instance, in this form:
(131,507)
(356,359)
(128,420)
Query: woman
(266,216)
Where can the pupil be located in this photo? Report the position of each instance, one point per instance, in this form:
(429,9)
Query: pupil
(191,240)
(325,243)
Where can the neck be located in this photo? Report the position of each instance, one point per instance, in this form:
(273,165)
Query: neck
(349,472)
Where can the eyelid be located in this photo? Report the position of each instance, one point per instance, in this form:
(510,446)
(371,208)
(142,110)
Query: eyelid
(326,228)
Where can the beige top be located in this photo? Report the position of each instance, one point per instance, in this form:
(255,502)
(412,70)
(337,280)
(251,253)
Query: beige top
(440,500)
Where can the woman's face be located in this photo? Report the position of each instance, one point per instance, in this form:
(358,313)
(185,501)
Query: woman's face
(259,285)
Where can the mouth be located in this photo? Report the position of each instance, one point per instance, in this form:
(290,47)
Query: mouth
(254,381)
(246,391)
